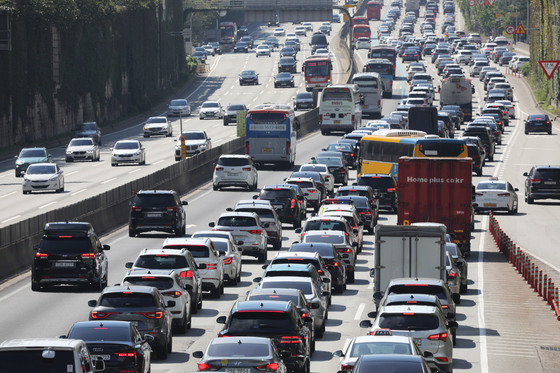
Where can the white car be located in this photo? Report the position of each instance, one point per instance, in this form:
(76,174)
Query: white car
(157,126)
(496,195)
(300,30)
(279,32)
(522,61)
(309,188)
(463,57)
(167,281)
(81,149)
(328,25)
(211,109)
(43,176)
(179,107)
(263,50)
(509,106)
(413,71)
(323,170)
(235,170)
(426,91)
(128,151)
(196,141)
(363,43)
(231,257)
(308,26)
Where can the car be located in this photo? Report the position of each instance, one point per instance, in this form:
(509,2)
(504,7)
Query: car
(88,129)
(117,343)
(367,210)
(392,363)
(248,77)
(232,111)
(336,164)
(28,156)
(323,170)
(348,212)
(196,141)
(279,321)
(303,100)
(411,54)
(142,305)
(69,253)
(300,30)
(363,43)
(263,50)
(235,170)
(81,149)
(243,353)
(247,39)
(157,126)
(241,47)
(325,30)
(375,345)
(216,46)
(301,198)
(459,262)
(293,43)
(384,188)
(128,151)
(279,32)
(509,106)
(231,257)
(542,182)
(294,269)
(284,79)
(209,50)
(288,52)
(211,109)
(173,257)
(486,137)
(311,191)
(157,210)
(273,40)
(336,18)
(347,150)
(312,258)
(167,281)
(496,195)
(42,177)
(179,107)
(284,199)
(326,223)
(248,230)
(474,152)
(286,64)
(200,57)
(342,244)
(453,277)
(267,214)
(538,123)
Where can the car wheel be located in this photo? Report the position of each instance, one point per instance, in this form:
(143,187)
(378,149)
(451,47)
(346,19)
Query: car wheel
(131,233)
(144,162)
(297,223)
(479,172)
(550,132)
(35,286)
(194,306)
(182,327)
(463,288)
(530,200)
(146,136)
(491,158)
(261,258)
(114,164)
(69,160)
(351,277)
(277,245)
(215,187)
(215,293)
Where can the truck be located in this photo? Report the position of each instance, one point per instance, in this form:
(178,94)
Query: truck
(457,90)
(412,6)
(407,251)
(423,118)
(438,190)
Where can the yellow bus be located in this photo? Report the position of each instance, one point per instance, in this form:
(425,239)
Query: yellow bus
(455,148)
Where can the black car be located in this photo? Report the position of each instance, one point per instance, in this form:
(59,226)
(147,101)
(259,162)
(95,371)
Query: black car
(246,39)
(118,343)
(144,306)
(303,100)
(288,52)
(391,363)
(333,260)
(486,136)
(157,210)
(455,110)
(242,31)
(284,80)
(336,164)
(368,212)
(476,141)
(538,123)
(542,182)
(411,54)
(503,119)
(248,77)
(384,188)
(285,200)
(241,47)
(347,151)
(302,200)
(477,158)
(279,321)
(69,253)
(287,64)
(88,129)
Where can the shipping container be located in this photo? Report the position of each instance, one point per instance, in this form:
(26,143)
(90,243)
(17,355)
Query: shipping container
(423,118)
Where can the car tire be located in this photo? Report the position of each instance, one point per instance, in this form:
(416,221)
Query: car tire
(464,288)
(69,160)
(146,136)
(530,200)
(491,158)
(36,287)
(351,277)
(479,172)
(215,293)
(114,164)
(215,187)
(25,192)
(143,162)
(261,258)
(297,223)
(277,245)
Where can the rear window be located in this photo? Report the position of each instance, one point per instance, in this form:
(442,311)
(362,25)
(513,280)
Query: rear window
(302,184)
(276,193)
(154,200)
(325,238)
(304,286)
(411,321)
(493,186)
(260,323)
(237,221)
(233,162)
(348,192)
(105,333)
(325,251)
(238,349)
(65,245)
(287,273)
(276,297)
(161,261)
(377,182)
(197,251)
(377,348)
(28,360)
(548,173)
(161,283)
(221,246)
(337,94)
(418,289)
(262,213)
(441,148)
(325,225)
(125,300)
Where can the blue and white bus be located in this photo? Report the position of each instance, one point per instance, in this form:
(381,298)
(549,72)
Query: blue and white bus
(270,134)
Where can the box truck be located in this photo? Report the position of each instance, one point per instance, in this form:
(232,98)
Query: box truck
(423,118)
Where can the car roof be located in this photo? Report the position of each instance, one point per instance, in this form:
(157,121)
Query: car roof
(324,233)
(288,267)
(41,343)
(240,340)
(153,272)
(382,338)
(313,218)
(301,254)
(286,279)
(156,192)
(129,288)
(155,251)
(235,156)
(212,232)
(260,203)
(239,213)
(104,323)
(418,280)
(186,241)
(409,308)
(258,305)
(411,296)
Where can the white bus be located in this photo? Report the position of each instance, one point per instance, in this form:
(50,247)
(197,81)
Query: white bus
(340,108)
(371,88)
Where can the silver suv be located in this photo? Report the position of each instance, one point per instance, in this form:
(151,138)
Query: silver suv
(267,214)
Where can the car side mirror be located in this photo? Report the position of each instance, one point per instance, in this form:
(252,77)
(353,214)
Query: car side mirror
(229,209)
(264,266)
(171,303)
(184,203)
(427,354)
(365,324)
(326,293)
(198,354)
(372,314)
(92,303)
(201,266)
(354,244)
(257,279)
(222,253)
(266,225)
(372,272)
(298,230)
(355,231)
(149,338)
(106,247)
(516,189)
(211,224)
(221,320)
(255,197)
(240,243)
(63,336)
(307,319)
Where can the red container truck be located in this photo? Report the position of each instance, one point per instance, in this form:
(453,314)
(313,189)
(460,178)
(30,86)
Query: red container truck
(438,190)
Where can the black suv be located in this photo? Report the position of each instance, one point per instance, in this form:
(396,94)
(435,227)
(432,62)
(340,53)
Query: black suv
(538,123)
(157,210)
(287,64)
(279,321)
(144,306)
(88,129)
(484,134)
(542,182)
(384,187)
(285,200)
(69,253)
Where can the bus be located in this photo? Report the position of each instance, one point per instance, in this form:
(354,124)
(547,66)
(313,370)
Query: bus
(380,152)
(270,134)
(386,71)
(370,87)
(340,108)
(228,32)
(360,31)
(317,71)
(360,21)
(454,148)
(374,10)
(384,51)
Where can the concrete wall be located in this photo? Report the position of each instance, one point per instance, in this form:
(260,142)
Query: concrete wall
(288,15)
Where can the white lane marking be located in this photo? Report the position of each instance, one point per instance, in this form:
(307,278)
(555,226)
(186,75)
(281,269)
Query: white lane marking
(481,323)
(190,226)
(47,205)
(12,218)
(6,174)
(359,311)
(108,180)
(97,164)
(71,173)
(6,195)
(13,293)
(200,196)
(78,192)
(135,170)
(158,162)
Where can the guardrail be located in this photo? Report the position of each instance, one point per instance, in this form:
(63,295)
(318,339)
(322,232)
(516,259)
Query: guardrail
(540,281)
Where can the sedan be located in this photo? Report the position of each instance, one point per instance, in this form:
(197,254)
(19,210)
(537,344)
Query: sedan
(241,47)
(82,149)
(279,32)
(128,151)
(284,80)
(287,64)
(157,126)
(496,195)
(231,257)
(411,54)
(288,52)
(263,50)
(179,107)
(29,156)
(538,123)
(211,109)
(43,176)
(303,100)
(248,77)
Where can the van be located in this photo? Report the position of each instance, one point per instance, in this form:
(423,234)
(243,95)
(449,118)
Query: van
(318,40)
(371,88)
(340,108)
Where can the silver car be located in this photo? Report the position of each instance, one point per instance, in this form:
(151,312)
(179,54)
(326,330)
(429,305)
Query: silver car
(460,263)
(81,149)
(179,107)
(323,170)
(196,141)
(426,325)
(157,126)
(235,170)
(267,214)
(453,277)
(128,151)
(211,109)
(43,176)
(231,257)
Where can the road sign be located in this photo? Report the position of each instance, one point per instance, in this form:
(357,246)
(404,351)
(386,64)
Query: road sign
(510,29)
(520,30)
(549,67)
(481,2)
(490,2)
(472,2)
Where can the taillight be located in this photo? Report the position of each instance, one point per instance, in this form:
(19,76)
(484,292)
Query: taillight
(88,256)
(444,306)
(269,367)
(320,118)
(172,208)
(212,266)
(346,367)
(228,260)
(503,194)
(246,168)
(186,274)
(247,147)
(204,366)
(479,194)
(253,231)
(391,189)
(288,147)
(312,191)
(439,336)
(365,212)
(136,208)
(173,293)
(126,354)
(444,359)
(293,339)
(293,203)
(452,275)
(41,255)
(151,315)
(102,315)
(353,118)
(535,180)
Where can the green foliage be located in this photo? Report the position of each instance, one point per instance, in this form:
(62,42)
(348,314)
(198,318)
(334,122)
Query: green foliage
(492,20)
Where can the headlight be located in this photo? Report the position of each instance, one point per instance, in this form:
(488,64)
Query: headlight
(68,151)
(203,146)
(53,177)
(89,151)
(145,128)
(138,152)
(19,163)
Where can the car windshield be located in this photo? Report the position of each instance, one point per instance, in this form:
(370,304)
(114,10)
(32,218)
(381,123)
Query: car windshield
(161,261)
(301,183)
(127,299)
(154,200)
(221,246)
(105,333)
(194,135)
(330,161)
(324,238)
(339,147)
(235,107)
(260,323)
(275,297)
(275,193)
(237,221)
(179,102)
(157,120)
(491,186)
(408,321)
(161,283)
(81,142)
(248,73)
(286,60)
(377,348)
(233,161)
(315,168)
(238,349)
(88,127)
(325,225)
(32,153)
(210,104)
(304,95)
(41,169)
(262,213)
(283,75)
(304,286)
(127,145)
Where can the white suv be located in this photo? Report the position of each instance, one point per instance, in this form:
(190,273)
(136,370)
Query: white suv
(196,141)
(167,281)
(211,109)
(235,170)
(157,126)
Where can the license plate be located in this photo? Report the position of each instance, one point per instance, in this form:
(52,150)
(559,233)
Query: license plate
(64,264)
(550,182)
(153,214)
(238,370)
(233,174)
(267,150)
(104,357)
(336,122)
(489,205)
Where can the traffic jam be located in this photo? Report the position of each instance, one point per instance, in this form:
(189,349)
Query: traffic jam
(369,195)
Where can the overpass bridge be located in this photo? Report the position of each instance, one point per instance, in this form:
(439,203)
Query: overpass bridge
(285,10)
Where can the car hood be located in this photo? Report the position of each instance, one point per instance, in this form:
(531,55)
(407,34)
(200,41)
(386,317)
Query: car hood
(87,132)
(39,177)
(80,148)
(125,151)
(155,125)
(209,109)
(30,160)
(180,107)
(195,142)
